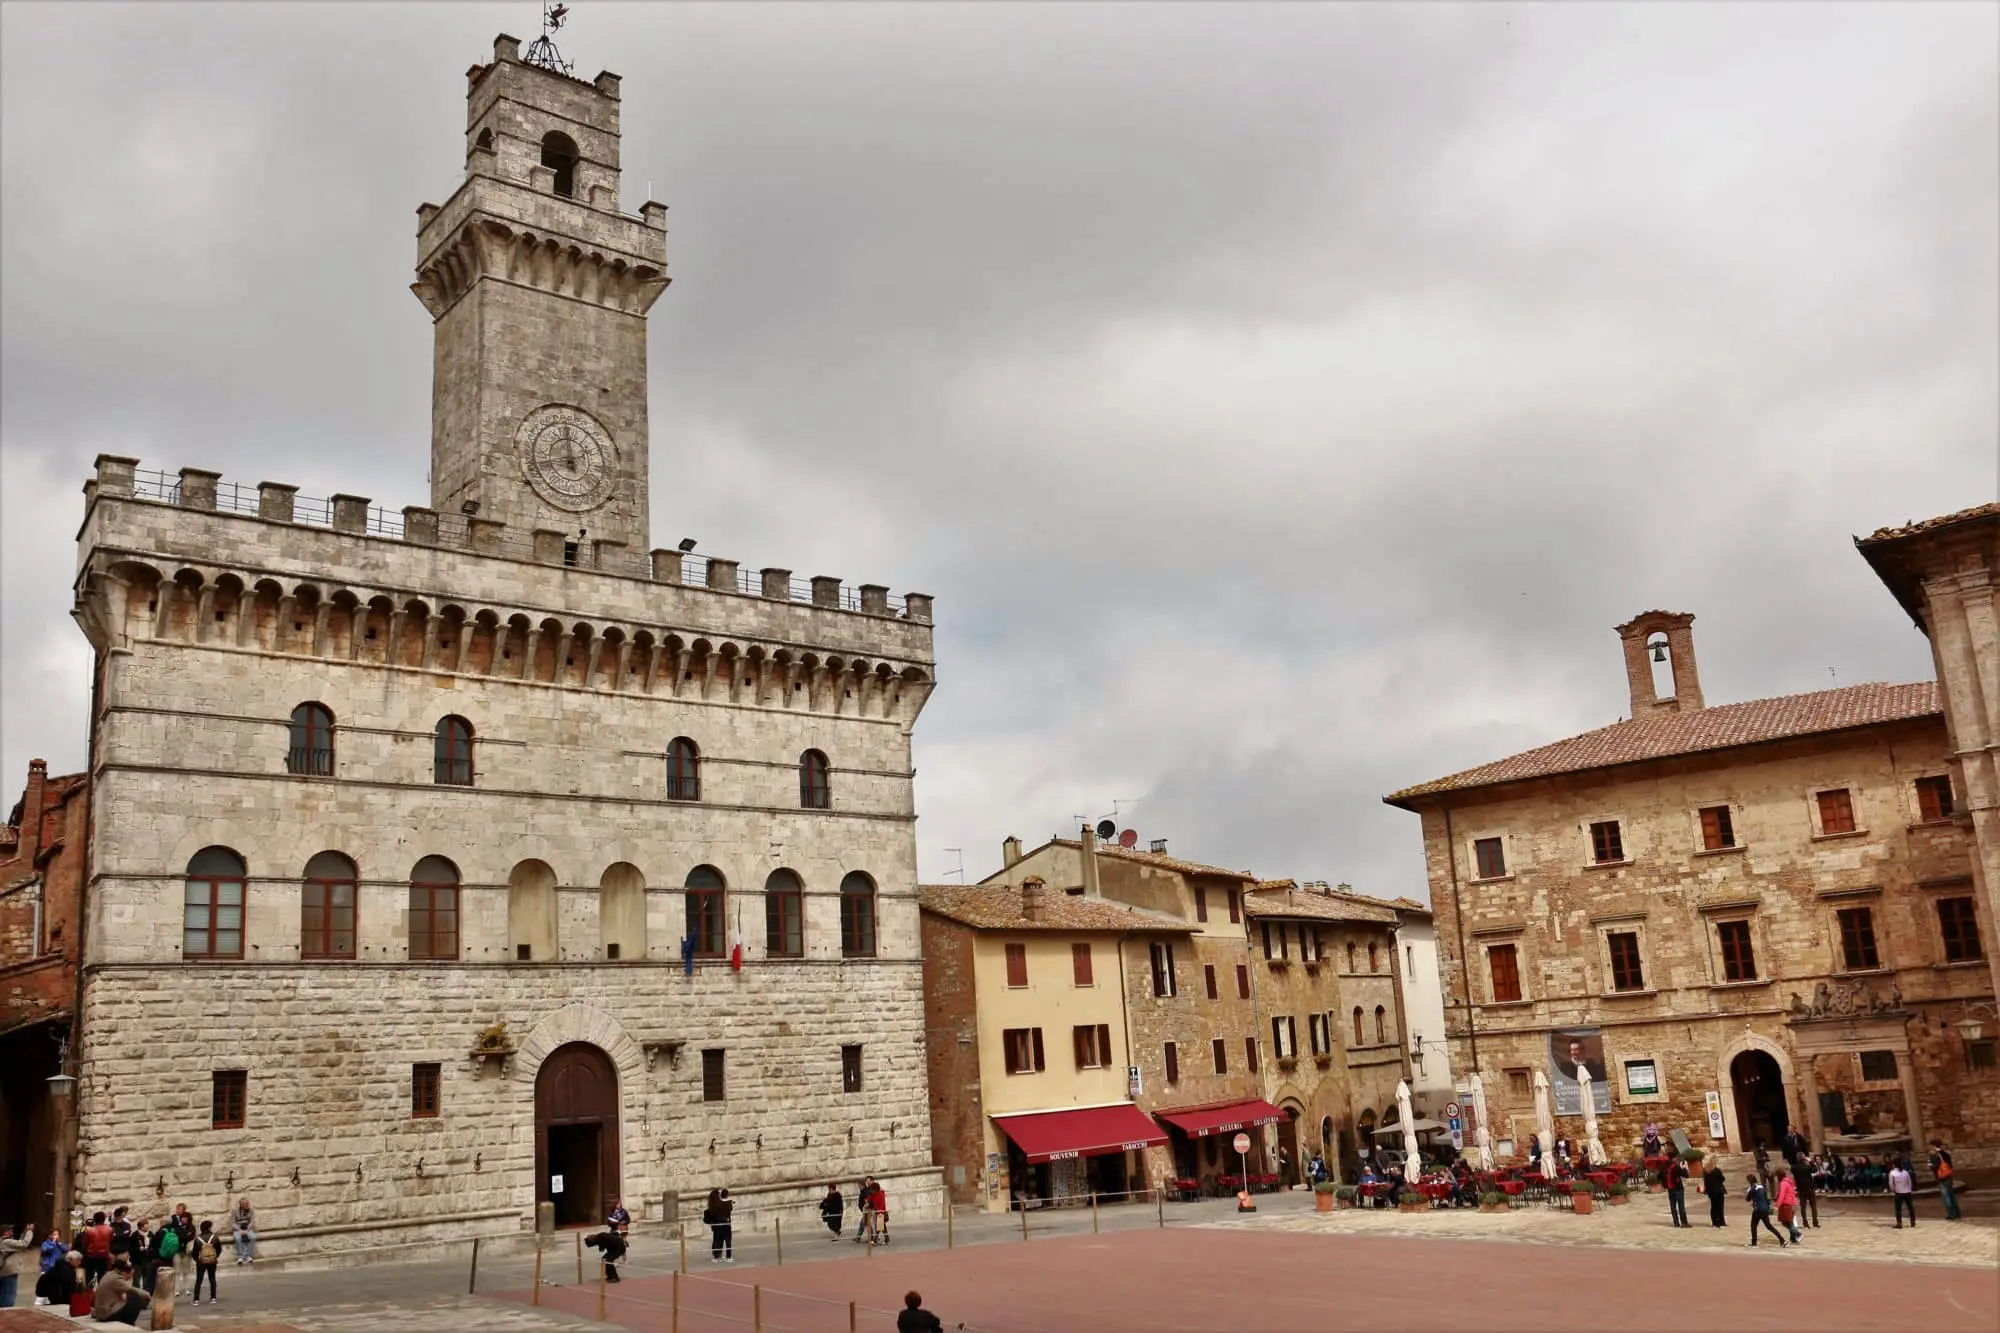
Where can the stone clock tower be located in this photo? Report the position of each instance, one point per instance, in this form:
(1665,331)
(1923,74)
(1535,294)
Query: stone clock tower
(539,288)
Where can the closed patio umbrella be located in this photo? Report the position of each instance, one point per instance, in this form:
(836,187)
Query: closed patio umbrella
(1545,1120)
(1411,1157)
(1484,1137)
(1589,1115)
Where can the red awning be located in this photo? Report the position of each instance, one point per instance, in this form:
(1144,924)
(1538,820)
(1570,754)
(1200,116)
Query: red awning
(1198,1122)
(1052,1136)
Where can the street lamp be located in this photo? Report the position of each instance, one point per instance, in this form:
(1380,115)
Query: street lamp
(62,1083)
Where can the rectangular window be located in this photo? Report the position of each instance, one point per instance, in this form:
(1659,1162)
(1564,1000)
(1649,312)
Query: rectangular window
(1022,1048)
(229,1096)
(1983,1053)
(1310,948)
(1270,944)
(1836,811)
(1960,925)
(1242,981)
(1200,903)
(327,919)
(212,921)
(1285,1037)
(1718,830)
(1173,1063)
(1092,1044)
(1219,1050)
(1607,844)
(1208,978)
(1857,939)
(1934,798)
(1250,1054)
(1079,965)
(1642,1078)
(1318,1028)
(1163,970)
(1626,972)
(713,1085)
(1878,1067)
(1235,908)
(1017,965)
(1489,858)
(1504,968)
(1739,960)
(424,1084)
(1520,1085)
(850,1069)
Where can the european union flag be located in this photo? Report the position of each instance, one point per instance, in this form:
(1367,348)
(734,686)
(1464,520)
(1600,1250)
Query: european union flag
(687,954)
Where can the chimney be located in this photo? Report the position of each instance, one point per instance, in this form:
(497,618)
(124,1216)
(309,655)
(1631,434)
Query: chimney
(1032,893)
(1010,851)
(1157,846)
(1091,888)
(1674,631)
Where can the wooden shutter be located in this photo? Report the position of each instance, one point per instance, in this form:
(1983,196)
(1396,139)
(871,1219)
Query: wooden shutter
(1017,965)
(1039,1064)
(1079,962)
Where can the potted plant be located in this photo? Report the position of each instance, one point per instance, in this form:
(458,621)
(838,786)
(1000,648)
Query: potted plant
(1583,1196)
(1323,1193)
(1412,1202)
(1349,1195)
(1619,1192)
(1493,1202)
(1693,1158)
(1653,1182)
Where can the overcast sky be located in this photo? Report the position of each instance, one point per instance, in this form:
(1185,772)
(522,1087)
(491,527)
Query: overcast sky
(1282,403)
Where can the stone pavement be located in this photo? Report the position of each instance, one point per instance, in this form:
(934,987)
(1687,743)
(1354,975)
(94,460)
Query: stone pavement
(1856,1230)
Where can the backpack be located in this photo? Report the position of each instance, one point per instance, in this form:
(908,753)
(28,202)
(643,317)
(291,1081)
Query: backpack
(170,1242)
(207,1249)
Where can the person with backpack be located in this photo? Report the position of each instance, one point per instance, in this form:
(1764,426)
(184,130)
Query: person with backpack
(1947,1183)
(1673,1175)
(718,1216)
(833,1211)
(164,1249)
(206,1252)
(1760,1210)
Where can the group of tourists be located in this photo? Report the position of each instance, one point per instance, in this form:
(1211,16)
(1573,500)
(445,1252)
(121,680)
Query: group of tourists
(111,1268)
(718,1214)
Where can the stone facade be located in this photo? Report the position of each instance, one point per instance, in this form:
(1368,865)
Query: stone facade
(1741,899)
(41,905)
(498,708)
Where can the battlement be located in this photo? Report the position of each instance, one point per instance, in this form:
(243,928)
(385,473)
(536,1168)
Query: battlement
(415,525)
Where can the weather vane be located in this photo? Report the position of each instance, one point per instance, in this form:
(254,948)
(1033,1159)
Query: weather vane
(542,51)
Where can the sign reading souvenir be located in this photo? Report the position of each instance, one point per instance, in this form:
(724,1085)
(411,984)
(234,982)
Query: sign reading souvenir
(1714,1100)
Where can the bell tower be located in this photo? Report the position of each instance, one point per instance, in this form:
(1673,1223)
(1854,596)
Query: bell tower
(538,288)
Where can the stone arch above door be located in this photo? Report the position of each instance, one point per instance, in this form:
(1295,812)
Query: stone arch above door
(579,1022)
(1725,1081)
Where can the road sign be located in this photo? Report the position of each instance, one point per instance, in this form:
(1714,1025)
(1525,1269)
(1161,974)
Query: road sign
(1451,1110)
(1241,1143)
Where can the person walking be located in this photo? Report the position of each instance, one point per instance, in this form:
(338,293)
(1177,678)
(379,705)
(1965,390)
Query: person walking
(914,1318)
(242,1224)
(1788,1202)
(206,1253)
(95,1243)
(1673,1174)
(1715,1185)
(117,1299)
(1763,1157)
(1760,1211)
(20,1256)
(1809,1192)
(863,1196)
(719,1215)
(833,1211)
(1903,1192)
(1947,1183)
(878,1215)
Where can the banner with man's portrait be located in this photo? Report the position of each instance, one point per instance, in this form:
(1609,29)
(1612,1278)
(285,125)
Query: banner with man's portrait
(1569,1048)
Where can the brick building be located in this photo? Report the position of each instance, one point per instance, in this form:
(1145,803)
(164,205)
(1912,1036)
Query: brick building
(1738,918)
(497,860)
(41,878)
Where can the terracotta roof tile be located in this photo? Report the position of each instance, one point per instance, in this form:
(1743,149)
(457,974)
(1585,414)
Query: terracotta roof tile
(998,907)
(1719,728)
(1928,524)
(1314,905)
(1159,859)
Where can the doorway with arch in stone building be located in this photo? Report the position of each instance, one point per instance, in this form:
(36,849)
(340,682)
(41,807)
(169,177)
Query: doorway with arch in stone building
(1759,1088)
(576,1134)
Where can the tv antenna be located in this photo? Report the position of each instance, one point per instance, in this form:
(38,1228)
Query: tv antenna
(542,51)
(959,870)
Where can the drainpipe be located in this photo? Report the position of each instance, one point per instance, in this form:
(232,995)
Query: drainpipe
(1464,959)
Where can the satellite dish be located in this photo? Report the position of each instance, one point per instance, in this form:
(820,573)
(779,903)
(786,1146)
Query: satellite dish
(1106,829)
(1129,838)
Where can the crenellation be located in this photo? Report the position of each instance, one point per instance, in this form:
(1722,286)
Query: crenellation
(197,487)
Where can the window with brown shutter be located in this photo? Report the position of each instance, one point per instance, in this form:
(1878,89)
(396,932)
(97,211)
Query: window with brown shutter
(1934,801)
(1023,1050)
(1607,842)
(1017,965)
(1173,1063)
(1626,970)
(1163,970)
(1857,939)
(1959,924)
(1242,981)
(1381,1030)
(424,1082)
(1490,858)
(1200,903)
(1718,830)
(1739,959)
(713,1086)
(1235,908)
(1374,957)
(1503,966)
(1079,964)
(1220,1051)
(1520,1085)
(1208,978)
(1358,1038)
(1092,1044)
(326,907)
(229,1097)
(1836,811)
(1250,1054)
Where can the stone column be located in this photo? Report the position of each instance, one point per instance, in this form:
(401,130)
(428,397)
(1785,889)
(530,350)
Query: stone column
(204,613)
(321,639)
(464,662)
(528,652)
(1906,1074)
(826,591)
(275,501)
(1809,1089)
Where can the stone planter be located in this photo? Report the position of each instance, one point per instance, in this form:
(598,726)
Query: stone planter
(1618,1199)
(1495,1208)
(1419,1206)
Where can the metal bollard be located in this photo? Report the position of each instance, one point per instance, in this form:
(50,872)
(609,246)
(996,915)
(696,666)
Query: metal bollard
(1160,1201)
(850,1317)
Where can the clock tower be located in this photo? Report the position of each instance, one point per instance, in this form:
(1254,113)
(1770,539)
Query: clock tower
(538,288)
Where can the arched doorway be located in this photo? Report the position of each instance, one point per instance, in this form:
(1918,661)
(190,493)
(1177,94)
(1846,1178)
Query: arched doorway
(576,1133)
(1759,1089)
(1288,1145)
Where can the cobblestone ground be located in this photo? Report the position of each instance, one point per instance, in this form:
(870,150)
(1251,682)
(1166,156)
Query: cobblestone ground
(1848,1230)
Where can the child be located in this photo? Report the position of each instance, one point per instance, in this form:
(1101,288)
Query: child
(207,1253)
(1788,1202)
(613,1244)
(1760,1210)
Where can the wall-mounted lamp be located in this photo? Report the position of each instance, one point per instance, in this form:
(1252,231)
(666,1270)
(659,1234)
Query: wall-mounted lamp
(160,1187)
(477,1159)
(62,1083)
(420,1168)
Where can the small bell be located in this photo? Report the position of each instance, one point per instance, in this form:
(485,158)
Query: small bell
(1659,652)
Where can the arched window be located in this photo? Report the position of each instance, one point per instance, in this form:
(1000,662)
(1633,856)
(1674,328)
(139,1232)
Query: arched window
(784,916)
(451,753)
(212,918)
(326,907)
(559,151)
(857,916)
(485,140)
(683,771)
(1358,1038)
(621,913)
(434,910)
(815,791)
(311,751)
(1372,959)
(706,890)
(1381,1032)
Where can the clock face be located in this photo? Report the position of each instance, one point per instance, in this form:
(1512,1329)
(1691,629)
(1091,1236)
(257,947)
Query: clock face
(567,456)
